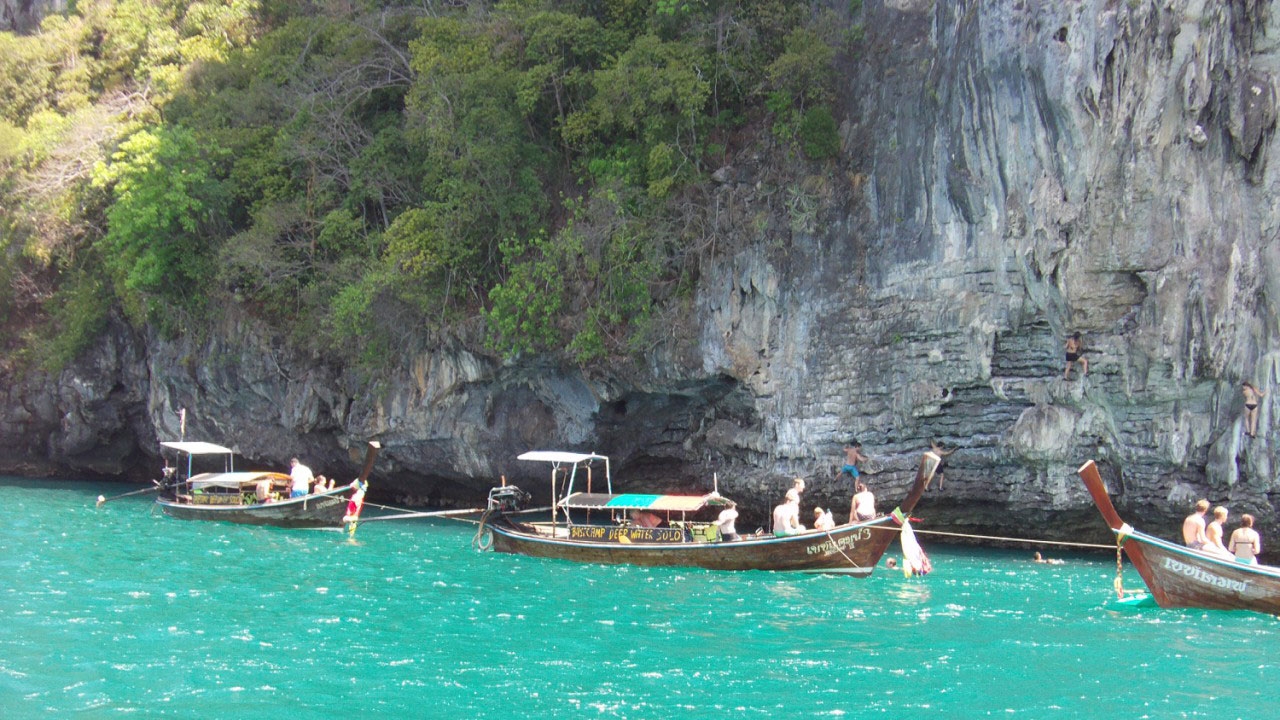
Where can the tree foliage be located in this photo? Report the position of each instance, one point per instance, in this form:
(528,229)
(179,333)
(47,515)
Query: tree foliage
(351,171)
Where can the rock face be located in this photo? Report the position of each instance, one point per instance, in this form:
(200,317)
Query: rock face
(25,15)
(1012,172)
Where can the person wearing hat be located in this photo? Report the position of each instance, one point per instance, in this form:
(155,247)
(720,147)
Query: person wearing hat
(786,517)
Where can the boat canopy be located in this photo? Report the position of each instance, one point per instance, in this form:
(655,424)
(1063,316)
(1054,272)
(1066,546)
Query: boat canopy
(635,501)
(556,456)
(197,448)
(234,480)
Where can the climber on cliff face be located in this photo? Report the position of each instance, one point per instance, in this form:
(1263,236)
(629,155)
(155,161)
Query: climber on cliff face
(1075,353)
(942,454)
(852,456)
(1251,397)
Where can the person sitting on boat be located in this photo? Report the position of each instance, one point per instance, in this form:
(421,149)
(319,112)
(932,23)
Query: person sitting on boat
(1213,534)
(1193,526)
(863,506)
(640,518)
(822,519)
(786,517)
(726,522)
(321,484)
(262,490)
(302,478)
(1245,542)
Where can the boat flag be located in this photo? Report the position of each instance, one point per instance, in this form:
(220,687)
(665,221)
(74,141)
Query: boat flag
(182,424)
(355,505)
(914,559)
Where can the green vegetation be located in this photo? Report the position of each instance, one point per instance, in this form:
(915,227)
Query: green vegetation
(358,173)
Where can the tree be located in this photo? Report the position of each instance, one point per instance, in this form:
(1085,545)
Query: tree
(163,189)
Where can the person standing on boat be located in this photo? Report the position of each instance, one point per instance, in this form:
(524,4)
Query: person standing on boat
(863,506)
(1193,526)
(786,517)
(302,478)
(1251,397)
(1245,542)
(727,523)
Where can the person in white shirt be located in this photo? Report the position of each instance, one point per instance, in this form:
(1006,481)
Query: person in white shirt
(302,478)
(726,522)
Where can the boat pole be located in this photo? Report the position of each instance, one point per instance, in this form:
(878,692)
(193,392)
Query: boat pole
(102,499)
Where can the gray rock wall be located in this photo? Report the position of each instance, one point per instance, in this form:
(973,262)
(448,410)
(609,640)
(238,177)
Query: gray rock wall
(1012,172)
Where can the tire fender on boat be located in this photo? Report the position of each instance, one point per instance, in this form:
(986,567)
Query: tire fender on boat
(484,541)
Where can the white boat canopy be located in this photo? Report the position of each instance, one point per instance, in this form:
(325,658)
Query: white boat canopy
(197,448)
(556,456)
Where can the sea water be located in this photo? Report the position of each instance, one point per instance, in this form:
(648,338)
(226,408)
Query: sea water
(118,610)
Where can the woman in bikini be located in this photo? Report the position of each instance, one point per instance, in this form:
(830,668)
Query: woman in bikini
(1074,353)
(1251,397)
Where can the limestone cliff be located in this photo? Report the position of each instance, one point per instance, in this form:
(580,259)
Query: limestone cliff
(24,15)
(1012,172)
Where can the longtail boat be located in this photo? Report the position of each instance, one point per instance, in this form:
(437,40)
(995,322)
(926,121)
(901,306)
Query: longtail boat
(233,496)
(1179,577)
(594,527)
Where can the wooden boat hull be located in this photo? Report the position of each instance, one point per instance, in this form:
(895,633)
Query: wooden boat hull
(1179,577)
(848,549)
(852,549)
(320,510)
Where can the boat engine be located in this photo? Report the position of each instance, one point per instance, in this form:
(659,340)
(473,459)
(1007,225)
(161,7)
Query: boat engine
(507,498)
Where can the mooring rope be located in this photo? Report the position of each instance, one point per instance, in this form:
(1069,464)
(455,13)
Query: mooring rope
(431,514)
(836,545)
(1029,541)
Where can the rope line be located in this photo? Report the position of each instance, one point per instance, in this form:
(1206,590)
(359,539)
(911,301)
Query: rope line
(1030,541)
(837,547)
(431,514)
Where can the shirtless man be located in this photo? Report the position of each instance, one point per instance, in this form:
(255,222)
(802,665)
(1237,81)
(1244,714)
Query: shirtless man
(786,517)
(852,456)
(1251,397)
(1213,534)
(1074,354)
(1245,542)
(1193,527)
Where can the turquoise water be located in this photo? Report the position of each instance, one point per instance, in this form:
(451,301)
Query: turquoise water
(116,610)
